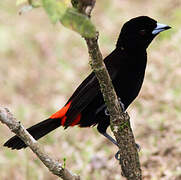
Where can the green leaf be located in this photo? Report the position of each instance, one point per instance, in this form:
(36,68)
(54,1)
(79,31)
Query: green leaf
(78,22)
(69,17)
(19,2)
(55,9)
(64,162)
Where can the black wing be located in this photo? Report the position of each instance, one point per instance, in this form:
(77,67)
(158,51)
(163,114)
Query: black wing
(89,89)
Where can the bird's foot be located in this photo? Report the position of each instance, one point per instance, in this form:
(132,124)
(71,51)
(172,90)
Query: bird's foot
(138,147)
(117,155)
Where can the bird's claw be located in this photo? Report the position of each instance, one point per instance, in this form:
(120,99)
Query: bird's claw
(138,147)
(117,155)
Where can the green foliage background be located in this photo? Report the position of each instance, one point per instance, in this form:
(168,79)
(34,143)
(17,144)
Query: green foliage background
(42,64)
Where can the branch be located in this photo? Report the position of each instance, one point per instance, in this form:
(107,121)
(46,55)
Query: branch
(119,120)
(54,166)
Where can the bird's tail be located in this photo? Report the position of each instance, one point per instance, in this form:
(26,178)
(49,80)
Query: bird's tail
(37,131)
(41,129)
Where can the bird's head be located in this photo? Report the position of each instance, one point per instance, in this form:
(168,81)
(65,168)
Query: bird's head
(137,33)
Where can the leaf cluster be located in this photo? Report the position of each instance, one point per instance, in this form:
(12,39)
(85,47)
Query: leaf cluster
(59,10)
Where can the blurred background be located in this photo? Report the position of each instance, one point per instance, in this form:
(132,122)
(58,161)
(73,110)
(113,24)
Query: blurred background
(41,65)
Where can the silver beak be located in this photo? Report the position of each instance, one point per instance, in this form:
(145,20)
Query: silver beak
(159,28)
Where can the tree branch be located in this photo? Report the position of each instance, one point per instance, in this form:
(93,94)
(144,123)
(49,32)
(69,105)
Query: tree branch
(119,120)
(53,165)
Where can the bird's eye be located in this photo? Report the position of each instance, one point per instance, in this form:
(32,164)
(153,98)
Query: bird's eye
(142,32)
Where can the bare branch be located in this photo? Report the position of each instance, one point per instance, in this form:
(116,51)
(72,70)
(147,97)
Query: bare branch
(53,165)
(120,121)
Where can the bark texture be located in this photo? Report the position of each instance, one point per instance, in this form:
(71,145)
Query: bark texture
(120,121)
(53,165)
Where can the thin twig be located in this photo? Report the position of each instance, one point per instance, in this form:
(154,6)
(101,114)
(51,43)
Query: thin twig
(53,165)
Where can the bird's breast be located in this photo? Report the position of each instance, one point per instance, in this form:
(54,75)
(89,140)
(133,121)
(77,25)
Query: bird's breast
(128,81)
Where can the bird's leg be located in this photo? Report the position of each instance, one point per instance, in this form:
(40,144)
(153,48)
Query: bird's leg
(113,141)
(110,138)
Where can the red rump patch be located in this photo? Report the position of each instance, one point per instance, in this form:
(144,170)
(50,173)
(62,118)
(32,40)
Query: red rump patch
(63,120)
(76,120)
(61,114)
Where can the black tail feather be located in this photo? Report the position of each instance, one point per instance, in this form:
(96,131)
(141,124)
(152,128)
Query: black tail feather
(37,131)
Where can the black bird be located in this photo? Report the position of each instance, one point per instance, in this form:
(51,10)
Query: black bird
(126,66)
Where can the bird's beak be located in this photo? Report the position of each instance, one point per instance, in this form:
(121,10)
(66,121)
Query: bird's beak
(159,28)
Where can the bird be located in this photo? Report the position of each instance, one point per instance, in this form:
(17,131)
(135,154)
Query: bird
(126,65)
